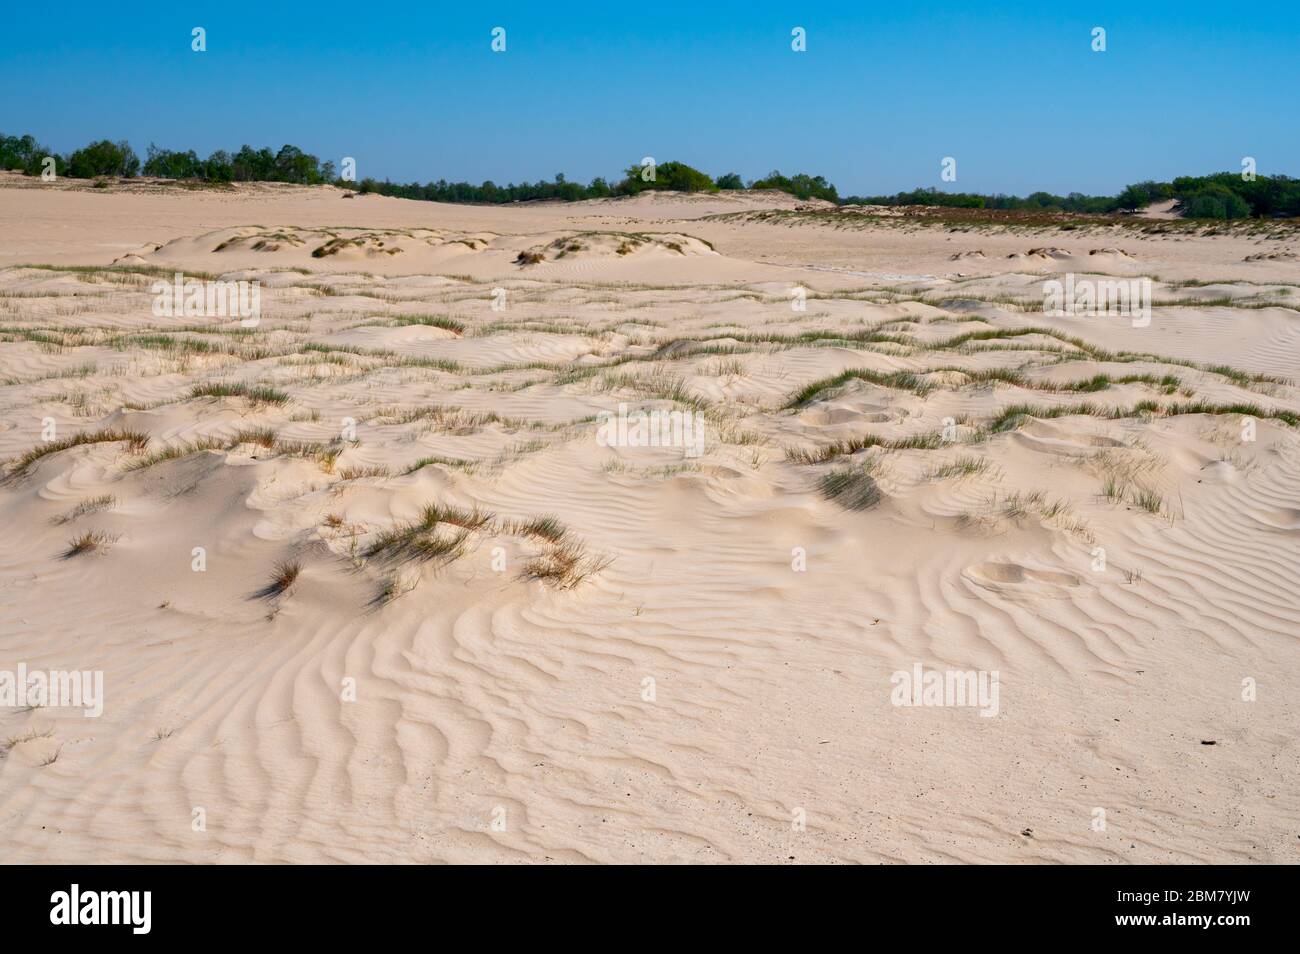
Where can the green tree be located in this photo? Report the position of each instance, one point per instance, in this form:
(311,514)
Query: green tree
(104,158)
(166,164)
(669,176)
(24,154)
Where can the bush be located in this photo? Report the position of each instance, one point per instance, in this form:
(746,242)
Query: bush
(933,197)
(1205,206)
(673,176)
(1142,194)
(802,186)
(1264,196)
(1214,201)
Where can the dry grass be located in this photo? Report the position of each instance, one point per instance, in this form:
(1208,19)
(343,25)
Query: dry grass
(431,321)
(960,468)
(88,506)
(283,577)
(176,452)
(136,441)
(88,542)
(928,440)
(261,436)
(1145,498)
(564,565)
(358,473)
(545,527)
(420,540)
(256,393)
(850,487)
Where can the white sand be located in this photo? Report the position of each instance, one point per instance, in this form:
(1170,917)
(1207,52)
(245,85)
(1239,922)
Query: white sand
(483,695)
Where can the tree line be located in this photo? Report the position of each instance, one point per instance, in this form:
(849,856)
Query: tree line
(106,158)
(1223,195)
(666,176)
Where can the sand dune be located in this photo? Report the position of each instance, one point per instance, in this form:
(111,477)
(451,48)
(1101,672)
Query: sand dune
(508,639)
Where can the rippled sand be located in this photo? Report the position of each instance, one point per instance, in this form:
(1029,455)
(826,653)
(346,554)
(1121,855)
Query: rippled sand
(692,661)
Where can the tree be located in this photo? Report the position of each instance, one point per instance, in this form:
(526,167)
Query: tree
(219,167)
(24,154)
(166,164)
(104,158)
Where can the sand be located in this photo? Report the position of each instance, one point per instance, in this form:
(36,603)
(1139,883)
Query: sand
(694,660)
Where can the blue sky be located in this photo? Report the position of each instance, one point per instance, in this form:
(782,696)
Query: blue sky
(1013,91)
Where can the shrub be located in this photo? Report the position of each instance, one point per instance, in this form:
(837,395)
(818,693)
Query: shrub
(674,176)
(802,186)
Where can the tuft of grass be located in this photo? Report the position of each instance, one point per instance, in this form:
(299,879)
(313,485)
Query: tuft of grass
(899,380)
(326,457)
(257,394)
(389,589)
(283,577)
(436,547)
(458,462)
(564,565)
(1020,504)
(420,540)
(357,473)
(136,441)
(432,321)
(466,519)
(545,527)
(658,384)
(176,452)
(88,542)
(1017,505)
(1098,382)
(218,389)
(850,487)
(261,436)
(265,395)
(1112,488)
(88,506)
(961,467)
(927,440)
(1012,417)
(726,367)
(1149,500)
(31,735)
(1247,410)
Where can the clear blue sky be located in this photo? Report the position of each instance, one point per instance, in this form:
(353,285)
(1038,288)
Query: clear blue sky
(1013,91)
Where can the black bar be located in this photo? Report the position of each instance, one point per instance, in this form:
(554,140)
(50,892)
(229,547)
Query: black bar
(331,905)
